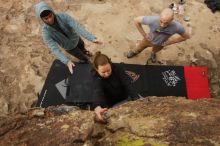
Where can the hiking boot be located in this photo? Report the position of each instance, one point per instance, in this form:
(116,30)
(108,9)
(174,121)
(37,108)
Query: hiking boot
(153,58)
(131,54)
(87,53)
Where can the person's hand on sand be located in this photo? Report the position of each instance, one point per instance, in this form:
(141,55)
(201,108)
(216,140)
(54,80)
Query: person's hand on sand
(99,111)
(147,37)
(70,66)
(167,43)
(164,44)
(99,42)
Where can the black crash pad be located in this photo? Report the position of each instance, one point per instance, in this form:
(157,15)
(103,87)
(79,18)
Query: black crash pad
(146,80)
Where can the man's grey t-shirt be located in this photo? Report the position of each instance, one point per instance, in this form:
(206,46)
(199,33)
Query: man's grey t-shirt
(159,35)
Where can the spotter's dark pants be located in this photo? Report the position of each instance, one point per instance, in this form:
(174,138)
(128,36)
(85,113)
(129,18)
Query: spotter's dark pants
(79,51)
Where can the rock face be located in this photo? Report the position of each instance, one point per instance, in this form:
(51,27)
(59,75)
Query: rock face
(25,60)
(153,121)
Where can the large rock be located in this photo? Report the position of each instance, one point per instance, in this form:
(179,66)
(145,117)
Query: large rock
(25,60)
(150,121)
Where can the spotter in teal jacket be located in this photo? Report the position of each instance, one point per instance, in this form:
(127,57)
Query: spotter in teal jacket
(55,39)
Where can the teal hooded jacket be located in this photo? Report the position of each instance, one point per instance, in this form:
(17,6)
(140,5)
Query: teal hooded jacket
(55,39)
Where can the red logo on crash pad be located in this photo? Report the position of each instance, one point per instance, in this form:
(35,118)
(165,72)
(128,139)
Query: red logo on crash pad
(132,75)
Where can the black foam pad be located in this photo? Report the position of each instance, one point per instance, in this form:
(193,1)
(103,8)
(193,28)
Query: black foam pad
(84,86)
(50,94)
(145,80)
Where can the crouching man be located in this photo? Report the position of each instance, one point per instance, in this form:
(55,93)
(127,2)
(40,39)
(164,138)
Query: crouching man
(161,29)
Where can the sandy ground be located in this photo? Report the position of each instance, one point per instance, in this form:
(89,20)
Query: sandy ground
(25,60)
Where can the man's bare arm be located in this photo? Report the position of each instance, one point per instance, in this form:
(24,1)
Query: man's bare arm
(138,24)
(173,40)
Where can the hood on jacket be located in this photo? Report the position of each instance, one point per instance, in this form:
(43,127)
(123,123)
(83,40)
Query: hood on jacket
(40,7)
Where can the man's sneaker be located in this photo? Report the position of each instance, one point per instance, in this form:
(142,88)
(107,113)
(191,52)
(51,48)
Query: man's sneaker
(153,57)
(88,53)
(131,54)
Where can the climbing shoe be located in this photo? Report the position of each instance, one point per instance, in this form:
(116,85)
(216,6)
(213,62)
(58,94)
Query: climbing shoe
(131,54)
(153,57)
